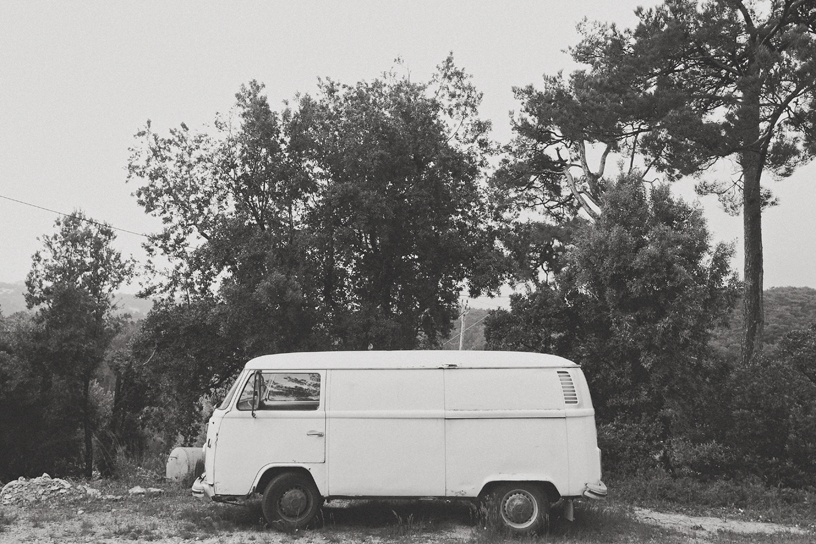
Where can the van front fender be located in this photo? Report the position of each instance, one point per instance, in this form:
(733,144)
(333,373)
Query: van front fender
(316,471)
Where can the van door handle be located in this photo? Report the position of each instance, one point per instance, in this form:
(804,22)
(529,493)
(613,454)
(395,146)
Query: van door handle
(314,433)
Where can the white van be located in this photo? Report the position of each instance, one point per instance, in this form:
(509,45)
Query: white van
(303,427)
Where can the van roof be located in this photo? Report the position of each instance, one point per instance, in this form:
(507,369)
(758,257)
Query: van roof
(407,359)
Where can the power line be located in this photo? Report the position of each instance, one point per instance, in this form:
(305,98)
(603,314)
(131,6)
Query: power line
(86,219)
(467,329)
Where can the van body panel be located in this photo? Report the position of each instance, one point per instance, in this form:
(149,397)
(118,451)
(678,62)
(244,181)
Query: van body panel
(386,432)
(209,445)
(504,449)
(387,457)
(502,389)
(585,457)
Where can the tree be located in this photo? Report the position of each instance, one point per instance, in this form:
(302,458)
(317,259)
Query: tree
(720,79)
(24,410)
(71,284)
(695,82)
(400,219)
(637,299)
(350,218)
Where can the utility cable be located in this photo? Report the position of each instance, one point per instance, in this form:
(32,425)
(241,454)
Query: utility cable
(86,219)
(466,329)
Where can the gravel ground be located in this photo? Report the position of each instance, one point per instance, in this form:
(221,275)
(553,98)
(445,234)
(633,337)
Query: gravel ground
(38,511)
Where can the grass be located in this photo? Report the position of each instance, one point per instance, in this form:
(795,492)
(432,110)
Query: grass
(40,517)
(748,500)
(6,519)
(137,532)
(175,514)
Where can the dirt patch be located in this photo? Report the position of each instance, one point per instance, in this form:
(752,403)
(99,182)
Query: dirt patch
(703,526)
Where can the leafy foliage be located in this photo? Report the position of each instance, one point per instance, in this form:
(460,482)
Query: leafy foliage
(349,219)
(640,291)
(51,406)
(35,434)
(726,80)
(773,419)
(693,83)
(72,283)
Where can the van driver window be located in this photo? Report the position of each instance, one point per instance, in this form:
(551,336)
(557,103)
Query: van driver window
(283,391)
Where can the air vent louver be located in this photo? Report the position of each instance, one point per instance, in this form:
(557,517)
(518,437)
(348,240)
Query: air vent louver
(570,394)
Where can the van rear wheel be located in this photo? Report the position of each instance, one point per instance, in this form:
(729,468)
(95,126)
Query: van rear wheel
(521,508)
(291,501)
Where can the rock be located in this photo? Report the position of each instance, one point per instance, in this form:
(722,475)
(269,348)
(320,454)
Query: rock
(138,490)
(95,493)
(154,490)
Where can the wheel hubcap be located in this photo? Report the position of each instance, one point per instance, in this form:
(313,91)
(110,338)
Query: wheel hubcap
(294,502)
(519,508)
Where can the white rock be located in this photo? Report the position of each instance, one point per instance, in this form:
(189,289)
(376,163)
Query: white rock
(138,490)
(154,490)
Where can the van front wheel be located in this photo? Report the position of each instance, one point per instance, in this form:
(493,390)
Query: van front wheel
(522,508)
(290,501)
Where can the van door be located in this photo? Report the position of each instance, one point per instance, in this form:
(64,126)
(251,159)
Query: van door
(279,419)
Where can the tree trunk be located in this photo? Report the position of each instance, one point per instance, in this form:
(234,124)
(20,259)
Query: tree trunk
(752,162)
(754,319)
(86,423)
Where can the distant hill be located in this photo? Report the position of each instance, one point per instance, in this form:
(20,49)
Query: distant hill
(11,298)
(786,309)
(12,301)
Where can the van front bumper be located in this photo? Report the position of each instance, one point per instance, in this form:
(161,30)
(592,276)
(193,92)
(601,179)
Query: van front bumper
(201,488)
(595,491)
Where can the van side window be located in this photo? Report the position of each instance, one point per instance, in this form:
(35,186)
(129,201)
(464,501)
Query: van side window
(283,391)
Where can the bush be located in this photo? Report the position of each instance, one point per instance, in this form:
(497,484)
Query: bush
(774,422)
(704,461)
(629,447)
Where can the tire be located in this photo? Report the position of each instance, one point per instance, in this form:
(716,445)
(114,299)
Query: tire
(291,501)
(521,508)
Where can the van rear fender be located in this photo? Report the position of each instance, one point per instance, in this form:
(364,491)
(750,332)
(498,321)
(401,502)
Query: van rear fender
(268,472)
(550,491)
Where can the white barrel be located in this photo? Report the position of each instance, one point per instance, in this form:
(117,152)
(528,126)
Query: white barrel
(183,461)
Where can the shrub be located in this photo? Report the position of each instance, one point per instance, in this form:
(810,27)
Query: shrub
(704,461)
(774,422)
(629,447)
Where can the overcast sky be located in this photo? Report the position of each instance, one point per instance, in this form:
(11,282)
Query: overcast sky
(79,79)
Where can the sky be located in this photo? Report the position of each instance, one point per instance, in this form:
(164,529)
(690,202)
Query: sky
(79,79)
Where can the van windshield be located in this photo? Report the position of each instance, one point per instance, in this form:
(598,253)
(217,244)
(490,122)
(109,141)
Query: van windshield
(225,403)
